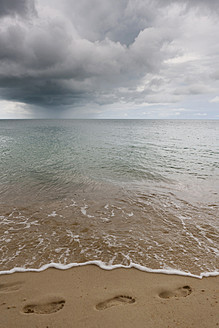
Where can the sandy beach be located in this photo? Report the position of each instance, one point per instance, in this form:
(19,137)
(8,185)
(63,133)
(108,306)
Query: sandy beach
(91,297)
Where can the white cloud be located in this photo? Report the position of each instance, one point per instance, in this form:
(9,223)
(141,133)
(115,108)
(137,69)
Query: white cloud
(215,100)
(10,109)
(200,114)
(182,59)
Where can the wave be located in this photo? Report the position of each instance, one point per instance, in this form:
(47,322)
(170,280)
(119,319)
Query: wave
(104,266)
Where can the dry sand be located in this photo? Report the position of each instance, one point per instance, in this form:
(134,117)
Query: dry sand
(91,297)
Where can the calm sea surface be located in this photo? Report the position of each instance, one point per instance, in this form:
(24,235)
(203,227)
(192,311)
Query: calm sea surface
(115,191)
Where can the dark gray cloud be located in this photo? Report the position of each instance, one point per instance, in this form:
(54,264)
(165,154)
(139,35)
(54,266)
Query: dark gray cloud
(72,53)
(52,61)
(17,7)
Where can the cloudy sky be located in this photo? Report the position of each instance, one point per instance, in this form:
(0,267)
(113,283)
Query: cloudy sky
(109,59)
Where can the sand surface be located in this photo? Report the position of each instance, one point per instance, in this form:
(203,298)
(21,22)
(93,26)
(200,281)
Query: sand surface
(91,297)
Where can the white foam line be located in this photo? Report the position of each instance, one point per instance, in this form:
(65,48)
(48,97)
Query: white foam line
(110,267)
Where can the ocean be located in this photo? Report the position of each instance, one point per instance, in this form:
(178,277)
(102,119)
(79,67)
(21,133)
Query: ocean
(133,193)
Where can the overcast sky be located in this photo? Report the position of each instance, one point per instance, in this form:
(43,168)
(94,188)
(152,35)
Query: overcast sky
(109,59)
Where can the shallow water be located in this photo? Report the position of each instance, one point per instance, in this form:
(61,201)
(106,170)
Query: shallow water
(115,191)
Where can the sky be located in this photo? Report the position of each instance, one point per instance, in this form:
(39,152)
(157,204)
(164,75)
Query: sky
(121,59)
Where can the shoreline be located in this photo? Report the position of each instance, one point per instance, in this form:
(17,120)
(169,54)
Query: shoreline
(106,267)
(87,296)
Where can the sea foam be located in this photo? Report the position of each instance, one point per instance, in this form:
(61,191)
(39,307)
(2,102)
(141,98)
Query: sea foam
(104,266)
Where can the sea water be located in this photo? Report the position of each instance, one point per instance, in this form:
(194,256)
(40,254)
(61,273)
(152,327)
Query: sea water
(142,193)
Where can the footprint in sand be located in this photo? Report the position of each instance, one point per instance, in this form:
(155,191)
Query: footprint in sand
(118,300)
(45,307)
(10,287)
(179,292)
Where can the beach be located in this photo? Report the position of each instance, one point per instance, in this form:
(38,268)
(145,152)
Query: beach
(109,164)
(109,223)
(89,296)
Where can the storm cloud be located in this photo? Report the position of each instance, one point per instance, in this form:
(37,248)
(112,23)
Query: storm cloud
(21,7)
(138,57)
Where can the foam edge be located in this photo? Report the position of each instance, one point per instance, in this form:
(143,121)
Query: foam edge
(104,266)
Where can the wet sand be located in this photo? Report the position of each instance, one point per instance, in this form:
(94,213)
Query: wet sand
(91,297)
